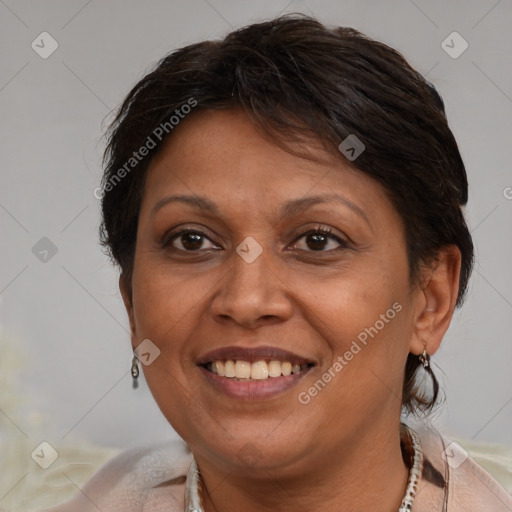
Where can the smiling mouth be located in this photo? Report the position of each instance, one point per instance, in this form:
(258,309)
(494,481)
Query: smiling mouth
(254,373)
(240,370)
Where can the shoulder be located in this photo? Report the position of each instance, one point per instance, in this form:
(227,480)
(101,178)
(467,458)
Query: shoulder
(139,479)
(452,478)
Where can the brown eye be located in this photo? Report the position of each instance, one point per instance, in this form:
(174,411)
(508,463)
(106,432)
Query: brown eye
(320,240)
(316,241)
(190,241)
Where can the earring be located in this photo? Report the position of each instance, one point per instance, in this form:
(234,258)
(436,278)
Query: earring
(425,357)
(135,372)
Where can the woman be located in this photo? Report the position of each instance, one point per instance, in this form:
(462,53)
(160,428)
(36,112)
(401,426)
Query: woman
(285,207)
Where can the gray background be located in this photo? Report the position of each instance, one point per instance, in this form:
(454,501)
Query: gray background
(64,317)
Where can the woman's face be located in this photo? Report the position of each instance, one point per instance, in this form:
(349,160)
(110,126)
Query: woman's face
(231,258)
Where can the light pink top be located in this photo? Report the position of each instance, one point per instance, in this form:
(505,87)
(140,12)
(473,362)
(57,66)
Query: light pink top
(153,479)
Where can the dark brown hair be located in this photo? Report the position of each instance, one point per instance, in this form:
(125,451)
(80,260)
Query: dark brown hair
(300,79)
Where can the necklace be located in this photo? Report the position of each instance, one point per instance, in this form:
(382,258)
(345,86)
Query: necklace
(409,437)
(412,442)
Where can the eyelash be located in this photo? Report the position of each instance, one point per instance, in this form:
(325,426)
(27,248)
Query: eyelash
(327,232)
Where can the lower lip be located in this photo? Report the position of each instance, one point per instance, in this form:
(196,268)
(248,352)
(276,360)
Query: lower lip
(254,389)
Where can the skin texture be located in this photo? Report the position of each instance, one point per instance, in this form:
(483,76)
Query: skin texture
(279,454)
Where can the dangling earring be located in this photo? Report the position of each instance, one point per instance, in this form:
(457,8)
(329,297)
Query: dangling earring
(135,372)
(425,357)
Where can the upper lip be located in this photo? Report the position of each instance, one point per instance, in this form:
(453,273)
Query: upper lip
(252,354)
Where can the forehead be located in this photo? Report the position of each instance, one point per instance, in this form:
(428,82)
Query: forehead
(224,156)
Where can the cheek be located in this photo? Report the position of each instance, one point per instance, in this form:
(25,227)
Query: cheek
(363,317)
(357,304)
(167,310)
(167,301)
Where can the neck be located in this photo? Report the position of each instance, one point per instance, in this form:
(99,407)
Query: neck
(369,475)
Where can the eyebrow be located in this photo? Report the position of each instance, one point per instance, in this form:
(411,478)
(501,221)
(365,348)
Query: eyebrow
(289,208)
(199,202)
(299,205)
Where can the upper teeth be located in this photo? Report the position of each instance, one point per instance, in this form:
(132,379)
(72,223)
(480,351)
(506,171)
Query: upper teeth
(258,370)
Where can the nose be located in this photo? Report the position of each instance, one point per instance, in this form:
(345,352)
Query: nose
(251,294)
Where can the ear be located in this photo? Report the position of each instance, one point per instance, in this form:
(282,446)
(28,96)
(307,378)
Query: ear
(435,300)
(126,294)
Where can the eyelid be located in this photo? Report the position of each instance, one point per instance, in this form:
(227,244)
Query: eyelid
(174,233)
